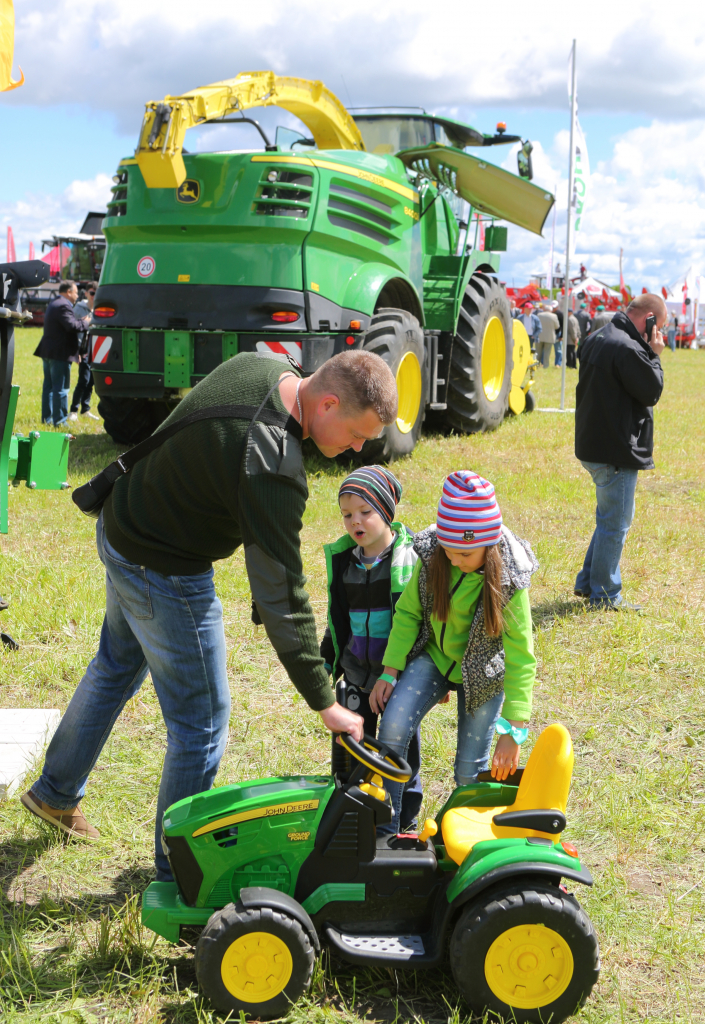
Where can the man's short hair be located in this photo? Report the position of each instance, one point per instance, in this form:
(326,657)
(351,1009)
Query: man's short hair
(65,286)
(648,303)
(361,380)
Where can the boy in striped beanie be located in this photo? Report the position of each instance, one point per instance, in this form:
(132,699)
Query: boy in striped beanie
(368,568)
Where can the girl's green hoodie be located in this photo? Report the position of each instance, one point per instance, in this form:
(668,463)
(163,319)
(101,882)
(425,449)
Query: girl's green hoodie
(450,639)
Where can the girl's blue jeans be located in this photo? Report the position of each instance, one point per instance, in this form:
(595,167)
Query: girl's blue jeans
(420,687)
(172,627)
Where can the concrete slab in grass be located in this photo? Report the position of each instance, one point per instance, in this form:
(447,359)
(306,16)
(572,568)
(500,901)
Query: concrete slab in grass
(24,732)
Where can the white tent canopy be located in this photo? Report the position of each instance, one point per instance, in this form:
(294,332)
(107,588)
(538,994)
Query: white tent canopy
(685,286)
(591,286)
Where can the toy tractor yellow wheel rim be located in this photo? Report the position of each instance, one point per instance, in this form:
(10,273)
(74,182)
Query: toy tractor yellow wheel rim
(256,967)
(409,391)
(494,358)
(529,966)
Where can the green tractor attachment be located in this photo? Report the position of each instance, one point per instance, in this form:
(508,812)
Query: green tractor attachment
(41,459)
(365,235)
(272,869)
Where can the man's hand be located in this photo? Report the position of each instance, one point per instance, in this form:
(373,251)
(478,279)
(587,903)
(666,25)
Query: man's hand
(657,343)
(339,719)
(506,758)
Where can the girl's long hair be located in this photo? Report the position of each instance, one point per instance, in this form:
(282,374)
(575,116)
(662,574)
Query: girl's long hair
(439,587)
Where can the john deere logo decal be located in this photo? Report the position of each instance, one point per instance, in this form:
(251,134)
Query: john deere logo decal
(189,191)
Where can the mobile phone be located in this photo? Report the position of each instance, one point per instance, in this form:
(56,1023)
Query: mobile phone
(650,324)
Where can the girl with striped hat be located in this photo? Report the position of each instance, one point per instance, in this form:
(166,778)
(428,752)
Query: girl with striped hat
(462,623)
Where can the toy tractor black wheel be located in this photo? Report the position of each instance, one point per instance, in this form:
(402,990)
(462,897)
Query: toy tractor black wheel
(530,401)
(254,960)
(131,420)
(527,953)
(481,359)
(396,336)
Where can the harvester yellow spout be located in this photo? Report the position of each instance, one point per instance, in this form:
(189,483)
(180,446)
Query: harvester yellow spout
(162,136)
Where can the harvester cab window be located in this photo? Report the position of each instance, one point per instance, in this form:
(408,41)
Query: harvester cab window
(390,134)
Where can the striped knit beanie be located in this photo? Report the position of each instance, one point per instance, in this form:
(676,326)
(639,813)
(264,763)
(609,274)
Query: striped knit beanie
(375,485)
(468,513)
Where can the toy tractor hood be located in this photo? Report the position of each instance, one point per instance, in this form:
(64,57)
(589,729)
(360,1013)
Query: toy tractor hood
(487,188)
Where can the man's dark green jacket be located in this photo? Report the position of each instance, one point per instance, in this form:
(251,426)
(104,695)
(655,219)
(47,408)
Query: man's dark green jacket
(199,496)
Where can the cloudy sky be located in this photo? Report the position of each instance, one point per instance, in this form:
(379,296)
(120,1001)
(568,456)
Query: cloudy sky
(90,66)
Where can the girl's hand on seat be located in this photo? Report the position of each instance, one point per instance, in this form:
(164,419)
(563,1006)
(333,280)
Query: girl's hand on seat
(381,692)
(506,758)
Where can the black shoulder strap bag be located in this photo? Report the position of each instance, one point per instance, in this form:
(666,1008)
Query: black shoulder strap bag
(91,497)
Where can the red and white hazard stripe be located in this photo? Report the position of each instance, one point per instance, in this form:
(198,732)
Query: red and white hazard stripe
(282,348)
(102,343)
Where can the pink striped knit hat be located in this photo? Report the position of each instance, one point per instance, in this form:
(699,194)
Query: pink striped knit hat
(468,513)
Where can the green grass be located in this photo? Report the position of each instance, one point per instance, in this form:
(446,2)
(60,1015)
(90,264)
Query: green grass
(629,688)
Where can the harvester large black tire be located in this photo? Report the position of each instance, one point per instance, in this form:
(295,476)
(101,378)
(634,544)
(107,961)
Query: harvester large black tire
(504,944)
(395,335)
(469,408)
(223,977)
(131,420)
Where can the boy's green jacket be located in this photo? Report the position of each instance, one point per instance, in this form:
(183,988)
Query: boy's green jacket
(358,626)
(449,640)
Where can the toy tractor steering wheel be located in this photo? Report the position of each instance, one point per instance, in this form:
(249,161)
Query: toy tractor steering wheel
(378,757)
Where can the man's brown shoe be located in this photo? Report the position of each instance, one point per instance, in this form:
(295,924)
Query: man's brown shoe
(70,821)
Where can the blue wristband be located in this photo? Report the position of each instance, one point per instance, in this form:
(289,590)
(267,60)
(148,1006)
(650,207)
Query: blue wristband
(505,728)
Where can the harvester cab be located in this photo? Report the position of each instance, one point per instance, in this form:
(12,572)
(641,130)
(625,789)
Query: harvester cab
(271,870)
(357,235)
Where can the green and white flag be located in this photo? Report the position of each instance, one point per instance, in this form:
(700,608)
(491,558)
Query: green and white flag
(581,179)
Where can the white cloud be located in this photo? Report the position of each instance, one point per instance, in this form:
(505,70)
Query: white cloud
(114,57)
(40,216)
(647,199)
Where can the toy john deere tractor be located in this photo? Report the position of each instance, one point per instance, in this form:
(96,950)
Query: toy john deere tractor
(270,869)
(379,231)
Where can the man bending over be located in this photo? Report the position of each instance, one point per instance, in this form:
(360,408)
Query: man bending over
(215,485)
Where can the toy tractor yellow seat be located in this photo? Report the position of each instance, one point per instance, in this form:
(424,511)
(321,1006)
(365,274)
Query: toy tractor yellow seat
(539,808)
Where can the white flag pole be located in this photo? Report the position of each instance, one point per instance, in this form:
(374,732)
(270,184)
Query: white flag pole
(553,241)
(571,175)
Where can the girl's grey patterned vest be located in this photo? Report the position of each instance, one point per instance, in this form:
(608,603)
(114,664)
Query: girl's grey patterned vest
(482,666)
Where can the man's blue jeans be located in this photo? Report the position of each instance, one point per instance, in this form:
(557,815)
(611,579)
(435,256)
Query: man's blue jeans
(600,578)
(55,391)
(171,626)
(421,685)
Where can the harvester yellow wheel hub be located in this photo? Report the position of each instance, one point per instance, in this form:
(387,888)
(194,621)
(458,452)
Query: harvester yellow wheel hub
(529,966)
(256,967)
(494,358)
(409,391)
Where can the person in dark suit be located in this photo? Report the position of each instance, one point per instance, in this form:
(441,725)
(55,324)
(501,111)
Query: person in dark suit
(58,343)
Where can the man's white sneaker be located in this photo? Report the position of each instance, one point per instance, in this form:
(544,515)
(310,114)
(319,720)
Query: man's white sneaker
(90,415)
(73,416)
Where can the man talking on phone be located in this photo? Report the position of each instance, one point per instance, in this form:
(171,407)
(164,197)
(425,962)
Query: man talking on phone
(621,379)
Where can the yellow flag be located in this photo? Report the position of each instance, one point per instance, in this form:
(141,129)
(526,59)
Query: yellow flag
(7,47)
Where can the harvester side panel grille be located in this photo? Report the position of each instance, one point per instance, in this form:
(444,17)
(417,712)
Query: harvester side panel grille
(117,207)
(286,195)
(356,211)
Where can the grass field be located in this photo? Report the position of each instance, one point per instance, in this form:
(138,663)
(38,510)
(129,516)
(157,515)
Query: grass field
(629,688)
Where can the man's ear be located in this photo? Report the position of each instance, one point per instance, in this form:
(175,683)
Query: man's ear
(328,403)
